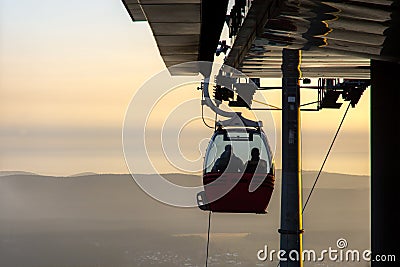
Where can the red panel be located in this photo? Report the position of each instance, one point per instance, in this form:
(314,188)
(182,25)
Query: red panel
(238,199)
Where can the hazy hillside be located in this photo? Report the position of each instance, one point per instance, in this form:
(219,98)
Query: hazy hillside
(8,173)
(106,220)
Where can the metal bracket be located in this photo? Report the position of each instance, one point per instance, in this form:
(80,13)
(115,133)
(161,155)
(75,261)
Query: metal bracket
(289,232)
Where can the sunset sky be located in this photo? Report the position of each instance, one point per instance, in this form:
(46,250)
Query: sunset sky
(68,71)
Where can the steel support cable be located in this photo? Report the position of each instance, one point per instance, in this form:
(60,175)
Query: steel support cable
(326,157)
(323,164)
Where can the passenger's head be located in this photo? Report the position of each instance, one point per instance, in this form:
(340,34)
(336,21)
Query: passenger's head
(228,151)
(228,148)
(255,153)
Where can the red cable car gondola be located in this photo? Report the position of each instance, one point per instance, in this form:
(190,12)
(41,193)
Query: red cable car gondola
(239,172)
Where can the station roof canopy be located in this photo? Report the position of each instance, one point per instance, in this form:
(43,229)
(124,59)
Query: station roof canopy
(175,25)
(337,38)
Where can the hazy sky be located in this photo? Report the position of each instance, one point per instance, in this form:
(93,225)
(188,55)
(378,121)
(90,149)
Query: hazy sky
(68,71)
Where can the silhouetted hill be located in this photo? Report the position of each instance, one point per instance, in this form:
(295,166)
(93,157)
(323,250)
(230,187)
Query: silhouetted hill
(83,174)
(8,173)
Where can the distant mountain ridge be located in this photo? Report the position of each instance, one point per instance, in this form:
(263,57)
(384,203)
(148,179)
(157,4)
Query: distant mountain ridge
(9,173)
(83,174)
(325,179)
(108,219)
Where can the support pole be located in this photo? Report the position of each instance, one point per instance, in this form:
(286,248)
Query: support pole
(385,160)
(291,200)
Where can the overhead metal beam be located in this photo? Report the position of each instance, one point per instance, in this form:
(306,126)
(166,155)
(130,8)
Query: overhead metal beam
(213,14)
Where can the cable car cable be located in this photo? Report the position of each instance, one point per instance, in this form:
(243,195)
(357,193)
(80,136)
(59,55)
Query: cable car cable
(263,103)
(208,236)
(326,157)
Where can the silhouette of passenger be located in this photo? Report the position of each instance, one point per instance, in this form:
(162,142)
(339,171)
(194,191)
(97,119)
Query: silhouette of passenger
(228,161)
(255,164)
